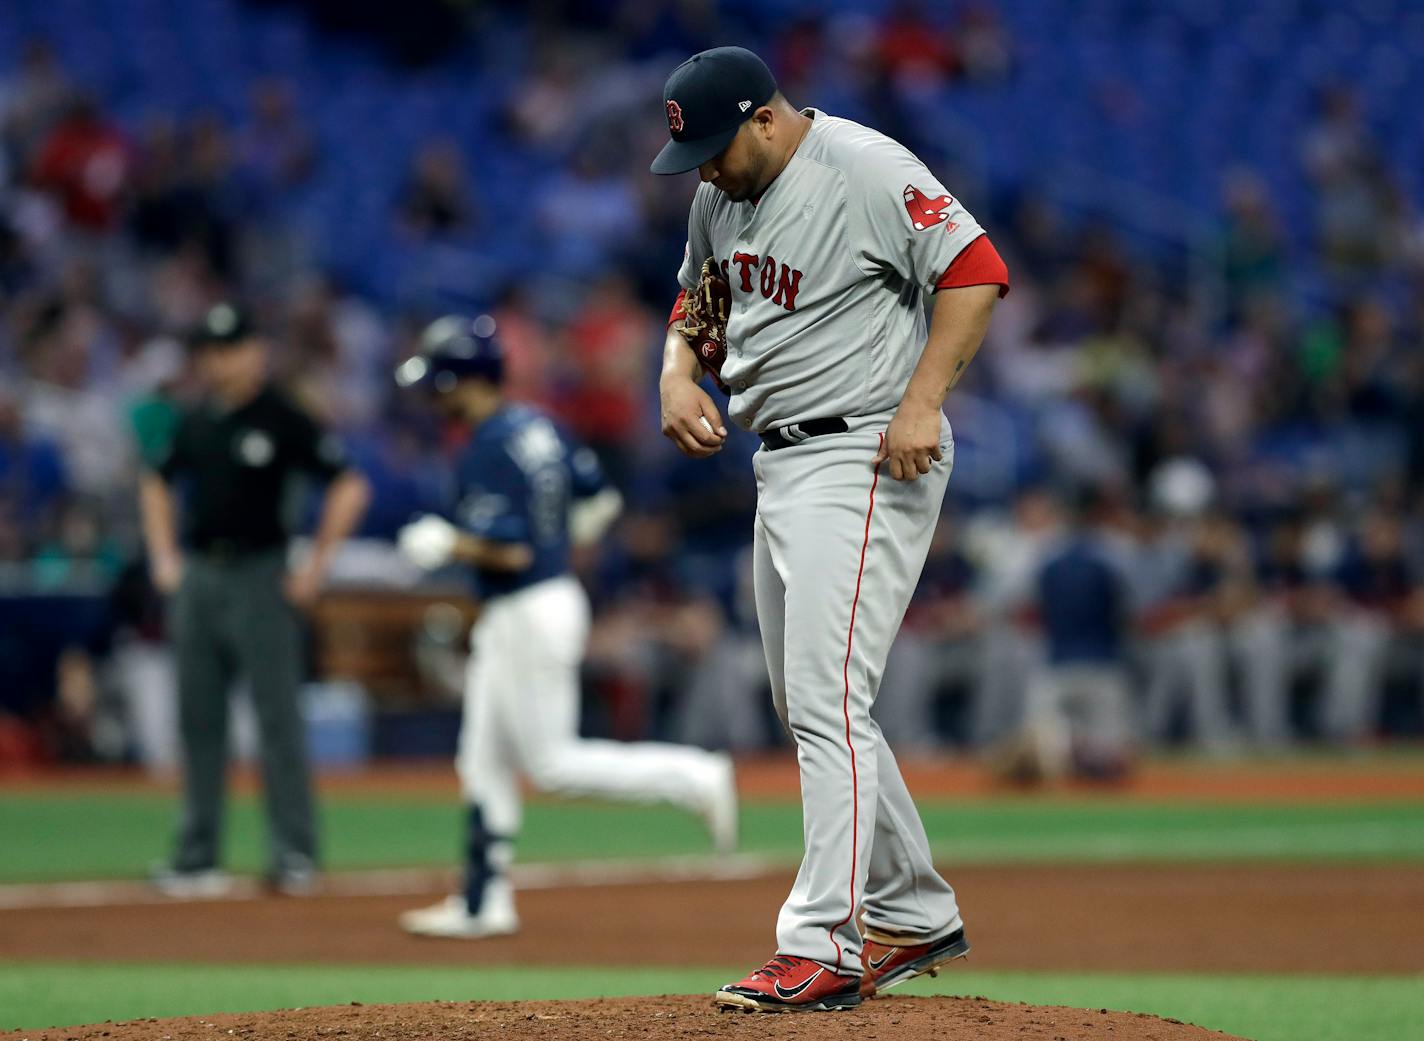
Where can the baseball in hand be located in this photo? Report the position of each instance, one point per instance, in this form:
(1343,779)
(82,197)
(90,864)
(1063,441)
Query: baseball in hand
(705,423)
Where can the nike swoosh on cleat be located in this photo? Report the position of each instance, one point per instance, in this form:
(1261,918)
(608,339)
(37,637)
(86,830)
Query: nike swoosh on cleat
(781,992)
(877,964)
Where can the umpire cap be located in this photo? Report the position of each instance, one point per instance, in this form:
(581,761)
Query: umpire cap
(223,325)
(707,99)
(451,349)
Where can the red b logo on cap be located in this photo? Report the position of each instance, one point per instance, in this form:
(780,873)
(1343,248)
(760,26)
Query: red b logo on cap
(674,114)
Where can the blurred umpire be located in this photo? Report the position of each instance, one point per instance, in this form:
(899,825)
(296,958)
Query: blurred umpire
(233,458)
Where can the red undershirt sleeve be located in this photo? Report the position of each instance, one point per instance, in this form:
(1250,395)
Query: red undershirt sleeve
(978,264)
(678,310)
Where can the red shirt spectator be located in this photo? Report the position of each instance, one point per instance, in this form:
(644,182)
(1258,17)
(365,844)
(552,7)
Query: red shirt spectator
(910,42)
(607,352)
(87,164)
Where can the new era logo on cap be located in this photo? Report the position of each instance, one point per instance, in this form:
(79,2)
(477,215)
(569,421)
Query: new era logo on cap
(744,105)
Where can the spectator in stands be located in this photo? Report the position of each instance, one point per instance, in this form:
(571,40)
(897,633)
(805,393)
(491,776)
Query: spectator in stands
(161,200)
(276,150)
(217,185)
(87,164)
(605,368)
(528,347)
(31,102)
(436,199)
(1373,365)
(985,48)
(543,110)
(186,197)
(78,550)
(1252,251)
(17,267)
(32,477)
(337,359)
(911,44)
(650,28)
(68,347)
(1357,203)
(607,211)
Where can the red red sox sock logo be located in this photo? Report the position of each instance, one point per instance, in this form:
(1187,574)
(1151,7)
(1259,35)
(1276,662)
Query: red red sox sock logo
(674,114)
(926,212)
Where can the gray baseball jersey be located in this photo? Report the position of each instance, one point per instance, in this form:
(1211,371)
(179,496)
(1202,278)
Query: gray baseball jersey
(828,273)
(828,270)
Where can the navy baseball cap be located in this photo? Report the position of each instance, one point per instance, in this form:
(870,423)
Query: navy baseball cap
(707,98)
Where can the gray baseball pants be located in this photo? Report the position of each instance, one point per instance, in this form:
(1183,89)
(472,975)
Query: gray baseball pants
(839,546)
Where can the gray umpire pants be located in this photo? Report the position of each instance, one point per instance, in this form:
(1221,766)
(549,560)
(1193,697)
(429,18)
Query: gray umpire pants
(231,618)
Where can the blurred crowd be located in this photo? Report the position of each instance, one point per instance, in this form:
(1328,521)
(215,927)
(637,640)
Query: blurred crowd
(1193,488)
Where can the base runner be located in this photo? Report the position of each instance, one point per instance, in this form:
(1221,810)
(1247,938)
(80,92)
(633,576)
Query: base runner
(525,493)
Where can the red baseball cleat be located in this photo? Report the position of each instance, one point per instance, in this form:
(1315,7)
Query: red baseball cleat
(791,984)
(888,965)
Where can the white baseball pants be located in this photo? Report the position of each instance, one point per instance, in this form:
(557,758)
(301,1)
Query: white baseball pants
(522,711)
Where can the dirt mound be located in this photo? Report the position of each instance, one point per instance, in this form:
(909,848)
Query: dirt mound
(650,1019)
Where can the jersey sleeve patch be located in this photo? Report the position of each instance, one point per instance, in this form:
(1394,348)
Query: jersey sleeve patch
(928,211)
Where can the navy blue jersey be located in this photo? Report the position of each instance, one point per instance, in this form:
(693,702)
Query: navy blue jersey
(1083,603)
(515,482)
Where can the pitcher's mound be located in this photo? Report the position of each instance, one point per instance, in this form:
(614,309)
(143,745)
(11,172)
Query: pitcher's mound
(680,1018)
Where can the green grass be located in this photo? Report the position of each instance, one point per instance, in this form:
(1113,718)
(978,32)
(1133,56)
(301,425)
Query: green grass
(989,832)
(52,837)
(65,836)
(1263,1008)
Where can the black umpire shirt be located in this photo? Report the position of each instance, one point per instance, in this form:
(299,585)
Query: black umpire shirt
(236,470)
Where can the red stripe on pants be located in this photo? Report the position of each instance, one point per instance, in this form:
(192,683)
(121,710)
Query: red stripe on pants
(845,708)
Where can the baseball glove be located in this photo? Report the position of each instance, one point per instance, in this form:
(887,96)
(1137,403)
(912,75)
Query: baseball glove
(704,321)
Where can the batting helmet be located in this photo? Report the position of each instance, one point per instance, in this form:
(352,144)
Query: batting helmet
(451,349)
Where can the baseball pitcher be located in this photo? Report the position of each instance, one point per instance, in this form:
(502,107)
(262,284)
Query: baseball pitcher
(812,243)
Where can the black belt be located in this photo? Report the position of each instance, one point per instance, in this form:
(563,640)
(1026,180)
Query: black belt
(795,433)
(231,551)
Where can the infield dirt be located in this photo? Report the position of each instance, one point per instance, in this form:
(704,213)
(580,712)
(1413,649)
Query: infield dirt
(681,1018)
(1133,918)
